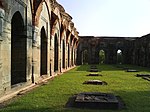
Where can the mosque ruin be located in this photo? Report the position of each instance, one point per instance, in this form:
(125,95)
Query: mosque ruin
(38,40)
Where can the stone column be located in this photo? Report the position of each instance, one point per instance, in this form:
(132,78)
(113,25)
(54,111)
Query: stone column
(60,57)
(34,47)
(1,75)
(2,14)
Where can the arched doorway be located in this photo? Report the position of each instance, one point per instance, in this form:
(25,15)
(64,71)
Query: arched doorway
(85,57)
(68,55)
(18,50)
(101,57)
(119,56)
(55,53)
(75,56)
(63,54)
(43,53)
(72,56)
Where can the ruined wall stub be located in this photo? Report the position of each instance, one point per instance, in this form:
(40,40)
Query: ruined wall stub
(135,50)
(110,45)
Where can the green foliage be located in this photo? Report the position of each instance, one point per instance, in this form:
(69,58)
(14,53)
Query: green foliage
(102,56)
(52,97)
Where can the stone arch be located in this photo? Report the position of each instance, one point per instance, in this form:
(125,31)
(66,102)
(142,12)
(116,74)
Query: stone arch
(102,56)
(75,56)
(84,55)
(38,9)
(55,28)
(119,56)
(55,38)
(18,50)
(43,53)
(56,53)
(56,11)
(68,36)
(63,54)
(43,38)
(68,55)
(72,52)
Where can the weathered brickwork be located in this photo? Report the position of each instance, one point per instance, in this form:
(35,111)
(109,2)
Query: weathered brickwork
(135,50)
(37,39)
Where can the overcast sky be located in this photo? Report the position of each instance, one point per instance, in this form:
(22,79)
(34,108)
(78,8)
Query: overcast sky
(109,17)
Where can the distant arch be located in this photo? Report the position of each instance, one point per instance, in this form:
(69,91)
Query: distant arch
(85,56)
(102,57)
(119,56)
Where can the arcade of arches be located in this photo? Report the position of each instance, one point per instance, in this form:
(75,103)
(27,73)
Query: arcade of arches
(113,50)
(37,40)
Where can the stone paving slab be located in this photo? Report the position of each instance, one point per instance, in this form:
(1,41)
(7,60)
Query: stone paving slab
(95,82)
(94,74)
(132,70)
(95,100)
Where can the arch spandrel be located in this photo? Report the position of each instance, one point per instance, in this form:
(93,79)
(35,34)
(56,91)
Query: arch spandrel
(38,7)
(55,29)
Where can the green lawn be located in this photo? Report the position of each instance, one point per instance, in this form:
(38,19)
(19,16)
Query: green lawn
(52,97)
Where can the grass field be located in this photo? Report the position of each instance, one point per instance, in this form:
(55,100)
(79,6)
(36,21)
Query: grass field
(52,97)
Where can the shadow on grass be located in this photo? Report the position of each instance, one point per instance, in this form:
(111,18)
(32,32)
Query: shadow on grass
(36,110)
(136,101)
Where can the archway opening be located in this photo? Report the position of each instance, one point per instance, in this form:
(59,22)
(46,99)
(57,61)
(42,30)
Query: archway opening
(85,57)
(101,57)
(119,56)
(55,53)
(72,57)
(68,56)
(43,63)
(63,54)
(75,56)
(18,50)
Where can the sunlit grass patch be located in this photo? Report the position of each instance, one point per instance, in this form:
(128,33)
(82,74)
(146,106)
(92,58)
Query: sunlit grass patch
(52,97)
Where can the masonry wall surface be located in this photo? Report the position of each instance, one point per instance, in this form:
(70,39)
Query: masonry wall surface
(36,15)
(135,50)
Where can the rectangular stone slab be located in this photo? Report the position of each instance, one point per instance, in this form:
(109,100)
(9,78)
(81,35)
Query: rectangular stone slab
(93,70)
(143,75)
(132,70)
(94,74)
(97,100)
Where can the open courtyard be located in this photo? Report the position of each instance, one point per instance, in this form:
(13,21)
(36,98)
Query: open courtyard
(53,96)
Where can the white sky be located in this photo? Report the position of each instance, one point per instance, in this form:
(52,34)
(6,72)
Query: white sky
(130,18)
